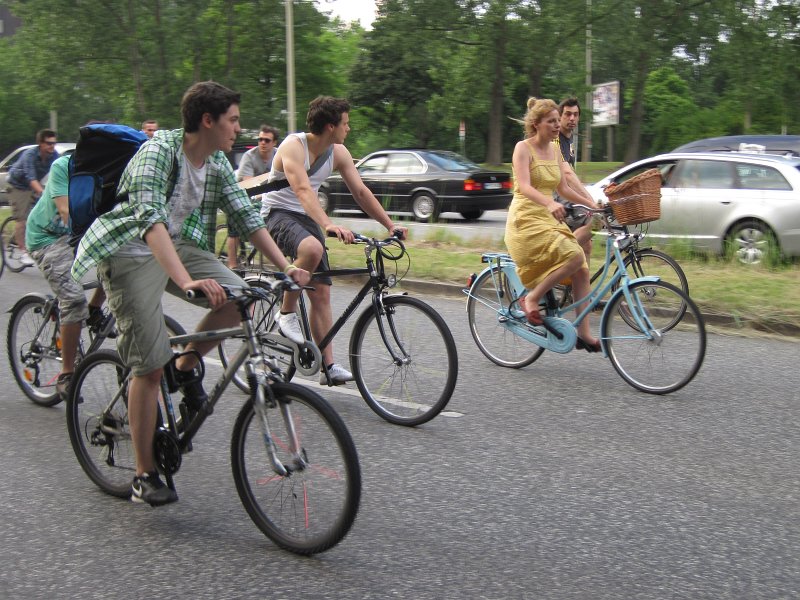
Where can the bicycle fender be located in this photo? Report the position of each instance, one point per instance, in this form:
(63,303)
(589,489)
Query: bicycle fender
(621,289)
(40,296)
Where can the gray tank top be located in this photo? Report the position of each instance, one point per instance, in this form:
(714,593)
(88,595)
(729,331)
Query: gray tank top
(286,199)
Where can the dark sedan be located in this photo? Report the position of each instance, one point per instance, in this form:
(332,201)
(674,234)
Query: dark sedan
(424,183)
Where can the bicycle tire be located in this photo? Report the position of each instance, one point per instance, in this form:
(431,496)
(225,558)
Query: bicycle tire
(11,253)
(420,386)
(98,430)
(264,312)
(486,307)
(650,262)
(313,508)
(673,356)
(35,366)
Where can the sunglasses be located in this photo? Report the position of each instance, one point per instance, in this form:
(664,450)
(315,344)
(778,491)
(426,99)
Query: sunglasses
(50,143)
(266,140)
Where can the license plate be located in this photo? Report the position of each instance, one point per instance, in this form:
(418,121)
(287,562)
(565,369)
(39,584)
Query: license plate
(492,186)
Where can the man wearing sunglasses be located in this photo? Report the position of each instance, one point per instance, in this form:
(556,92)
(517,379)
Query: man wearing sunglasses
(25,184)
(255,161)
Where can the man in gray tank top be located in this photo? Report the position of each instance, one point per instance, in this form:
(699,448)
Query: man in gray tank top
(299,225)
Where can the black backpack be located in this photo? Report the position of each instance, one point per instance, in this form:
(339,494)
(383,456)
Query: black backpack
(95,168)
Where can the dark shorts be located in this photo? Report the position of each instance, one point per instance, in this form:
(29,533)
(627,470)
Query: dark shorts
(289,228)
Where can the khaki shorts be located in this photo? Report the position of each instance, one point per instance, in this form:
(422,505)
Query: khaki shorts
(21,202)
(134,287)
(55,262)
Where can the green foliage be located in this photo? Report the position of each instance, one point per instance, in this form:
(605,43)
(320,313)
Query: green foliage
(688,69)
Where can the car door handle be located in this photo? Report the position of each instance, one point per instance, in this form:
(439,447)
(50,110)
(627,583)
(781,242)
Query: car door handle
(725,202)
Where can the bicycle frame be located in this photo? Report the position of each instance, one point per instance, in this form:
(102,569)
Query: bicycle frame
(563,334)
(171,442)
(376,284)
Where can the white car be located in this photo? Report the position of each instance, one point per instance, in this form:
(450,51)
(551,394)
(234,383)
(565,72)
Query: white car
(749,203)
(5,164)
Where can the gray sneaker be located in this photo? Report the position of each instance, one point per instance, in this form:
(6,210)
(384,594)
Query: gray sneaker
(25,260)
(290,327)
(338,374)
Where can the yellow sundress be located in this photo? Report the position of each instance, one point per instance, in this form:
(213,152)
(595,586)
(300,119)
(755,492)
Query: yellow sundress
(537,242)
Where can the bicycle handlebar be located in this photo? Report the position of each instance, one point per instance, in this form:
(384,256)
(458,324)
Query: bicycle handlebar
(278,282)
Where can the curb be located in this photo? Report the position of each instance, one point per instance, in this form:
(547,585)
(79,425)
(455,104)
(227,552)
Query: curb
(726,321)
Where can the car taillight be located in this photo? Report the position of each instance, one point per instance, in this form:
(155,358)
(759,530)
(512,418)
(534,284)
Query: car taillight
(470,185)
(507,185)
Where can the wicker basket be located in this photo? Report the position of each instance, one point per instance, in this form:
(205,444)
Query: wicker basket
(637,200)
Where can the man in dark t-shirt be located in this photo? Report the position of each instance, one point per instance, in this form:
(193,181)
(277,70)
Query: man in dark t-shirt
(578,220)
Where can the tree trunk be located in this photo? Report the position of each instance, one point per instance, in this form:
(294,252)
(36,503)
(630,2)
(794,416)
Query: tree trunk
(494,150)
(637,111)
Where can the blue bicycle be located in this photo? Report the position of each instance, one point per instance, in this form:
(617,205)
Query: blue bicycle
(650,330)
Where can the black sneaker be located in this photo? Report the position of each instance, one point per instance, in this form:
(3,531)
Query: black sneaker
(194,395)
(97,321)
(150,489)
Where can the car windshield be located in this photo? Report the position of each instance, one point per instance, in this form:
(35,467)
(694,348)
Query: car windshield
(450,161)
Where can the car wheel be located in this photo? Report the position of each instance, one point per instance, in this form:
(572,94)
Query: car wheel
(472,215)
(325,202)
(752,242)
(424,207)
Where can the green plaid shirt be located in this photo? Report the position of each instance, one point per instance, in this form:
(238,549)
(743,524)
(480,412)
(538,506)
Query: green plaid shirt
(146,180)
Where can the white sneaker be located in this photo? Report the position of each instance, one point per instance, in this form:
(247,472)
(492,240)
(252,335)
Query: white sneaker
(26,261)
(338,375)
(290,327)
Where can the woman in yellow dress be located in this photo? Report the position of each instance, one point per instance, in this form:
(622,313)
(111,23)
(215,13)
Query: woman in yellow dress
(540,242)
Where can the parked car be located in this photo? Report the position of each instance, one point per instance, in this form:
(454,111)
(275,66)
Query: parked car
(5,164)
(424,183)
(787,145)
(748,202)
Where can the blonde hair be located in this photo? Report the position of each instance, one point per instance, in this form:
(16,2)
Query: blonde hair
(538,108)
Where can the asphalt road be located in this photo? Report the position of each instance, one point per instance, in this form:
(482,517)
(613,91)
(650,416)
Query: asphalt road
(554,481)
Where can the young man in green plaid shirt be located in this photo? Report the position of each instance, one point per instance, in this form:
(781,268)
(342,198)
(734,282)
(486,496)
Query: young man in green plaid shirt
(151,242)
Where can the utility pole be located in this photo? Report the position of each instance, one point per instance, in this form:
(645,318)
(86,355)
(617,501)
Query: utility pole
(291,109)
(587,137)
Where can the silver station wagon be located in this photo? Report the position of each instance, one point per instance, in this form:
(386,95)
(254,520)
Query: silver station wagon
(748,204)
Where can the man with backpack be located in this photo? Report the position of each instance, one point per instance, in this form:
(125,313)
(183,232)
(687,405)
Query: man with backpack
(155,240)
(47,238)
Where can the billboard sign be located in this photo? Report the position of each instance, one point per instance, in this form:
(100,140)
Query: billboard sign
(606,100)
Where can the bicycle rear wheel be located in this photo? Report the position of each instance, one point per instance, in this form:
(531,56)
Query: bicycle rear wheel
(312,508)
(97,421)
(404,360)
(488,304)
(649,262)
(34,349)
(11,252)
(650,347)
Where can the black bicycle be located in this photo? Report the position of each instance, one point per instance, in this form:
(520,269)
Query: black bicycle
(402,353)
(639,261)
(34,343)
(294,462)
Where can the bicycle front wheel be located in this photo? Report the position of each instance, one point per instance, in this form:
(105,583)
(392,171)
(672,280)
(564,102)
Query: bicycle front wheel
(650,347)
(34,349)
(97,421)
(649,262)
(312,507)
(404,360)
(11,252)
(488,305)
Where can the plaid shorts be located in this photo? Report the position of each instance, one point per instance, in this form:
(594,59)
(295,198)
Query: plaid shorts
(55,262)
